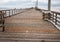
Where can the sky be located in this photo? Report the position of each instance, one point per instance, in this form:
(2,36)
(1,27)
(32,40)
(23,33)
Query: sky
(27,3)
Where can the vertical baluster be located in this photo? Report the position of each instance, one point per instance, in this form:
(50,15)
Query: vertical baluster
(56,19)
(9,13)
(5,14)
(2,21)
(53,17)
(49,16)
(43,16)
(12,12)
(3,26)
(16,11)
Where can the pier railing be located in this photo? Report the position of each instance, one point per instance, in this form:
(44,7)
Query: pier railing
(55,18)
(2,20)
(51,16)
(9,13)
(12,12)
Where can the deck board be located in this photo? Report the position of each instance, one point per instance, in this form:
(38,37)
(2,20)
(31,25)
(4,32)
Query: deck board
(29,21)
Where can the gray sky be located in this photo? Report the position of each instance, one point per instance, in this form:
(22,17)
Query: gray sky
(24,3)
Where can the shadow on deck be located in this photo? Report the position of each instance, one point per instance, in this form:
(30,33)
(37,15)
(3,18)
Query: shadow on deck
(29,21)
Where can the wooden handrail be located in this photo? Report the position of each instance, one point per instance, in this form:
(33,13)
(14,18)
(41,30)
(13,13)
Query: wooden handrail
(11,12)
(2,20)
(52,17)
(56,12)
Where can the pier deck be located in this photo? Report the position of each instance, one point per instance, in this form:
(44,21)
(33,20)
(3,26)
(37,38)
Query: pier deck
(29,26)
(29,21)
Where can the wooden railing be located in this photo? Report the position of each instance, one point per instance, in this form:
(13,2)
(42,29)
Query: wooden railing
(51,16)
(2,20)
(55,19)
(9,13)
(12,12)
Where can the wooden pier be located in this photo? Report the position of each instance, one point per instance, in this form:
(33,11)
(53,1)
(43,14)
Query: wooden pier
(29,25)
(29,21)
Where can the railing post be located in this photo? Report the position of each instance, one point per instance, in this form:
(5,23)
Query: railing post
(3,24)
(5,13)
(12,11)
(15,11)
(49,16)
(2,20)
(9,13)
(56,19)
(43,16)
(53,17)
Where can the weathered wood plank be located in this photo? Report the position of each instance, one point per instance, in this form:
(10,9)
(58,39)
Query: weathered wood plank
(29,21)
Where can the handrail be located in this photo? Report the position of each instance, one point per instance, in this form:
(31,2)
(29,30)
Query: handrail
(11,12)
(52,16)
(2,20)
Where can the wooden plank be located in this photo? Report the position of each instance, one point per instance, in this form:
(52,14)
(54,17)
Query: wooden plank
(29,21)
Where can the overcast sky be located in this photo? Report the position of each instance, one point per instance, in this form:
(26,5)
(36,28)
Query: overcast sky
(26,3)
